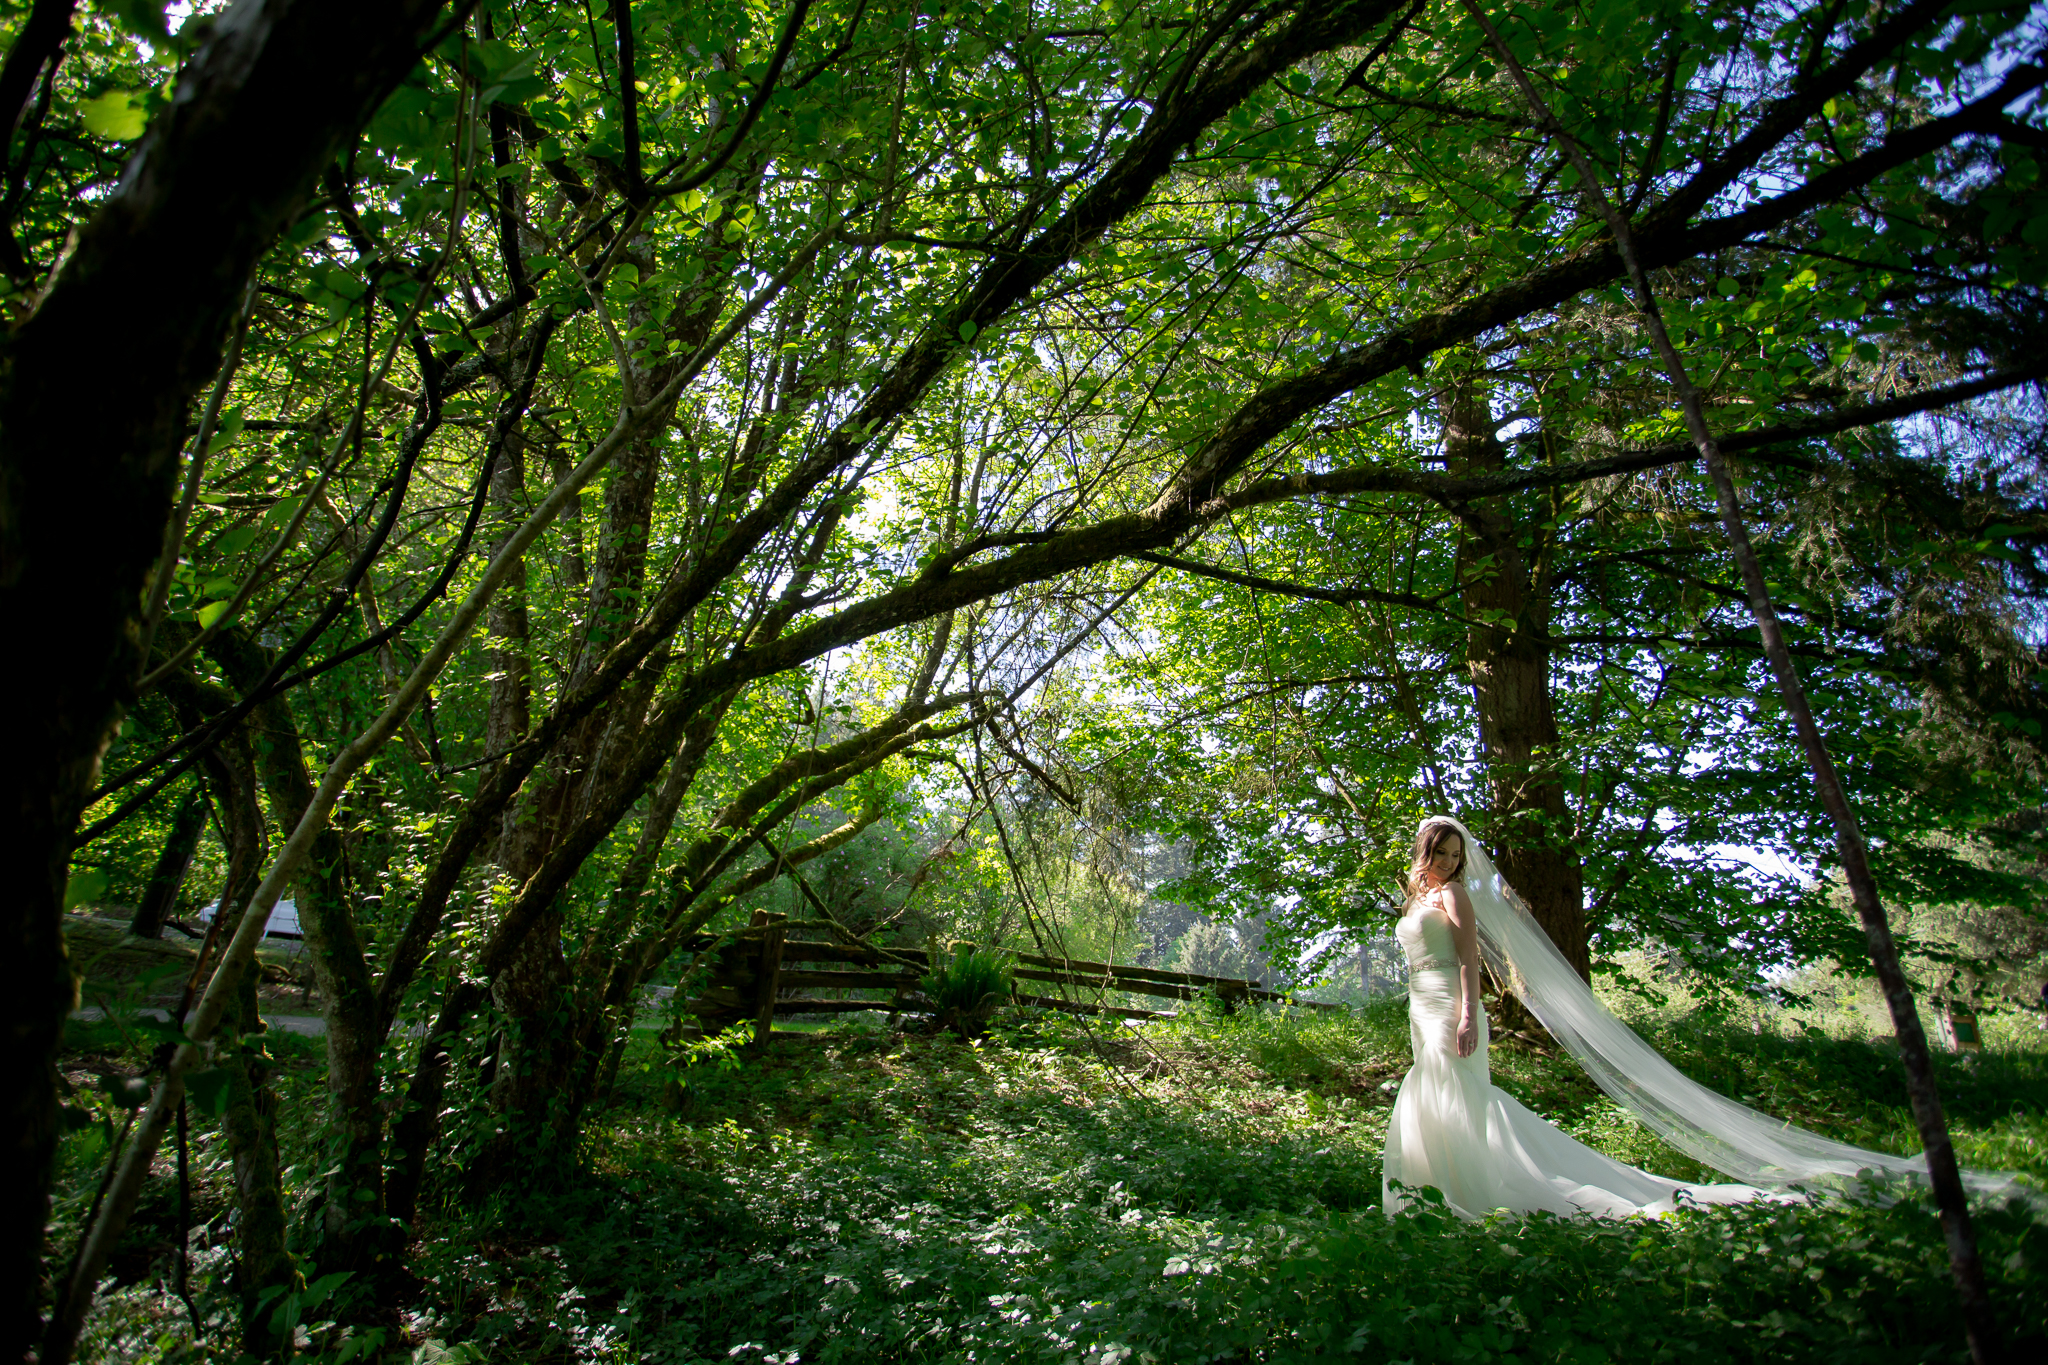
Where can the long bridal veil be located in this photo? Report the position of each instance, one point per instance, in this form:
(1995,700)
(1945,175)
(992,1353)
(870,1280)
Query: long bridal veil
(1734,1139)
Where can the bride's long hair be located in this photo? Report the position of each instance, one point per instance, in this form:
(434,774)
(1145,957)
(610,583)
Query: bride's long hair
(1427,840)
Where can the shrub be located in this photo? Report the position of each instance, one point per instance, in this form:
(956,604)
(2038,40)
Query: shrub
(966,989)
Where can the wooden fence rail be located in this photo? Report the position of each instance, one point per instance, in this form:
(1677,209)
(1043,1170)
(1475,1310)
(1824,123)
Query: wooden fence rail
(750,969)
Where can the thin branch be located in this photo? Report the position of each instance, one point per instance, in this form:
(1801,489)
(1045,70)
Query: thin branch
(746,124)
(1285,589)
(629,94)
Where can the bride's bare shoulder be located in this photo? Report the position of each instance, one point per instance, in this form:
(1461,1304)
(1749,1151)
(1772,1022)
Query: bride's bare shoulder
(1449,899)
(1454,899)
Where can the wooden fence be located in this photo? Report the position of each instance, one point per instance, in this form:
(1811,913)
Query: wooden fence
(752,972)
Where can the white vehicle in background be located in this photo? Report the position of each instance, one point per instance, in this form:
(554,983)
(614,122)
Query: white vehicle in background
(284,920)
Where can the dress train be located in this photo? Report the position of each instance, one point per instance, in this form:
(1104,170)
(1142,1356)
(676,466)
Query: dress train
(1453,1129)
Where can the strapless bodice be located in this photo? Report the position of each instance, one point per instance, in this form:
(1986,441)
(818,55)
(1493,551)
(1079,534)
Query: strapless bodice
(1425,936)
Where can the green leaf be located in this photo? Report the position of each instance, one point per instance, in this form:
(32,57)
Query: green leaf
(87,885)
(127,1092)
(231,424)
(969,329)
(316,1293)
(281,514)
(209,1090)
(118,115)
(235,541)
(336,280)
(164,1028)
(143,18)
(212,612)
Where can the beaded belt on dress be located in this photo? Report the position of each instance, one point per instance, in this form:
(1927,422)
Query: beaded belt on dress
(1430,964)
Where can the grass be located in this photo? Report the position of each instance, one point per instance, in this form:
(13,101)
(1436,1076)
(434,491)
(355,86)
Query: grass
(1200,1190)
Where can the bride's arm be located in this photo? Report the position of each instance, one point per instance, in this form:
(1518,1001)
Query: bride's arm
(1465,938)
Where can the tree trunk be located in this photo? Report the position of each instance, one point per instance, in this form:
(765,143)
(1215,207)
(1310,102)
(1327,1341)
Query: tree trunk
(355,1233)
(418,1128)
(539,1055)
(1506,596)
(167,879)
(147,291)
(511,662)
(250,1125)
(569,563)
(531,1085)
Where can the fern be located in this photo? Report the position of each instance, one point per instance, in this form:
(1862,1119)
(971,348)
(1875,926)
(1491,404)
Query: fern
(966,989)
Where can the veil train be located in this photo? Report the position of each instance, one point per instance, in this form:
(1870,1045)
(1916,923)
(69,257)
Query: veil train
(1732,1138)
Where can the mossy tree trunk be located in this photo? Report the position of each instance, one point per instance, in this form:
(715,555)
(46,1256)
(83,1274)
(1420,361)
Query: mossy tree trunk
(262,1261)
(1504,567)
(249,1122)
(167,878)
(355,1232)
(147,287)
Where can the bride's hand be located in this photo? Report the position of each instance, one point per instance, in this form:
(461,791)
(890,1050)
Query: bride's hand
(1468,1036)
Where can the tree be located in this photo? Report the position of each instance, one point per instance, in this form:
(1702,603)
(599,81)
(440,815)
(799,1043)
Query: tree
(265,106)
(915,334)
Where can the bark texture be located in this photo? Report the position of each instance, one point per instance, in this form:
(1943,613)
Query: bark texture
(261,110)
(419,1124)
(250,1125)
(1505,571)
(511,660)
(535,1083)
(167,878)
(355,1233)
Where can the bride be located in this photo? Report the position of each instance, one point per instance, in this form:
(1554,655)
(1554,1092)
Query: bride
(1453,1129)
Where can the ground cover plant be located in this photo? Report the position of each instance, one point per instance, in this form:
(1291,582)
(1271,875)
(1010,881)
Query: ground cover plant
(1200,1190)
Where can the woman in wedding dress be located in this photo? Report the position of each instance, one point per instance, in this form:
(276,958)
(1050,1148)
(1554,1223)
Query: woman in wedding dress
(1453,1129)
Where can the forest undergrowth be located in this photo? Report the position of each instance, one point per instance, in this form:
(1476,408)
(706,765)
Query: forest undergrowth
(1205,1190)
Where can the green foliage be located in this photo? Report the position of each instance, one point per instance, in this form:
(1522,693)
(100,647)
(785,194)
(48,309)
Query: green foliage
(966,986)
(1201,1190)
(1211,1195)
(85,886)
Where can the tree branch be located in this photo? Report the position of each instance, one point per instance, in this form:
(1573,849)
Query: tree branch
(1285,589)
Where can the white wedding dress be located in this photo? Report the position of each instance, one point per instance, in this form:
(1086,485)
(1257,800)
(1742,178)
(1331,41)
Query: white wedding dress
(1453,1129)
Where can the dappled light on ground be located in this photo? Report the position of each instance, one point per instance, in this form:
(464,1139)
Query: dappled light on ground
(1206,1189)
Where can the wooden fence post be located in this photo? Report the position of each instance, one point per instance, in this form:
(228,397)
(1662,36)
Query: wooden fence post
(775,930)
